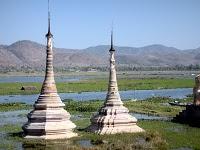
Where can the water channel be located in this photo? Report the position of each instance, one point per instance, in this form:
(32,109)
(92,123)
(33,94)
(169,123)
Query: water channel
(84,96)
(19,117)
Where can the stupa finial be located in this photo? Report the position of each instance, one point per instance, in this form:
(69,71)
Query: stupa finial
(111,40)
(49,23)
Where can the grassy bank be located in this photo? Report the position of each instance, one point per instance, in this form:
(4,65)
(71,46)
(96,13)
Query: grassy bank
(101,85)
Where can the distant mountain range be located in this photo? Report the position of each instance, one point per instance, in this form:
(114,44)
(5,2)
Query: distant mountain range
(32,54)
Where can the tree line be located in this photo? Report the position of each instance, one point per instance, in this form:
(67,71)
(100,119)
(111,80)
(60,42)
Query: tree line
(91,68)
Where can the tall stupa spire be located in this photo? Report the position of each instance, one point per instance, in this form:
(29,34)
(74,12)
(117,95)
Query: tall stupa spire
(48,119)
(113,117)
(49,23)
(113,97)
(112,40)
(49,82)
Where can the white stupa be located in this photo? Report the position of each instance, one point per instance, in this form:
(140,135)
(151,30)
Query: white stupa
(113,117)
(49,119)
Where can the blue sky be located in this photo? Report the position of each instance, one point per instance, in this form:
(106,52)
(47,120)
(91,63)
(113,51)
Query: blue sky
(84,23)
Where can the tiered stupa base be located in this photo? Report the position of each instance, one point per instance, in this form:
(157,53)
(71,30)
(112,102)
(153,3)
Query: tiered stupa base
(112,120)
(49,120)
(191,116)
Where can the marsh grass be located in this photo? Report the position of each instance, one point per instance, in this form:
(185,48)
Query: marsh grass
(159,135)
(124,141)
(15,88)
(101,85)
(10,127)
(157,106)
(176,135)
(83,106)
(13,106)
(153,106)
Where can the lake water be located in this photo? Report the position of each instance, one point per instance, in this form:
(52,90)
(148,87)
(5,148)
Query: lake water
(13,117)
(22,79)
(20,117)
(140,116)
(84,96)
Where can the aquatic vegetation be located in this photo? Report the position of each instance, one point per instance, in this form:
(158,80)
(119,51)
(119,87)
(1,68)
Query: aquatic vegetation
(159,134)
(13,106)
(83,106)
(176,135)
(153,106)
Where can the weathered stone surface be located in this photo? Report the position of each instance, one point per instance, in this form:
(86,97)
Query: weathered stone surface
(111,120)
(49,120)
(113,117)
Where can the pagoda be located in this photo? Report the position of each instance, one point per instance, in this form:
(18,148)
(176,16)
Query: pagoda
(113,117)
(49,119)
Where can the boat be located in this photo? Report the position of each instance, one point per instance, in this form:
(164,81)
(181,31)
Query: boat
(177,103)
